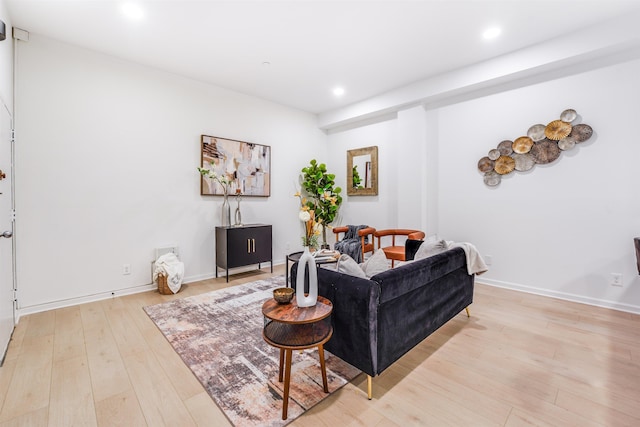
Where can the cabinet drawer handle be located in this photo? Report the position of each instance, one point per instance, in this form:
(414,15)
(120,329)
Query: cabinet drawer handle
(254,244)
(248,246)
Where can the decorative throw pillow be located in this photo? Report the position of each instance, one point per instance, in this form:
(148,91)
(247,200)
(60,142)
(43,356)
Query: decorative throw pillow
(428,249)
(348,265)
(377,263)
(431,239)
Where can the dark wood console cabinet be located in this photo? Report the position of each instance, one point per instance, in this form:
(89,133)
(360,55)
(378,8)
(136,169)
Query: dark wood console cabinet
(245,245)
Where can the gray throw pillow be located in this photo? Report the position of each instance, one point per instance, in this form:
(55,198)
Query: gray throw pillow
(429,249)
(377,263)
(346,265)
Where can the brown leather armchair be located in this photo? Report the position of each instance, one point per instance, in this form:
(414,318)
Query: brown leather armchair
(395,252)
(366,245)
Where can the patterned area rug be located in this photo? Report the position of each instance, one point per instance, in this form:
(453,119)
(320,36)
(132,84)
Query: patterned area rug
(219,336)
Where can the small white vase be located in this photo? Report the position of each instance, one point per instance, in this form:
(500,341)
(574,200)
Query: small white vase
(307,262)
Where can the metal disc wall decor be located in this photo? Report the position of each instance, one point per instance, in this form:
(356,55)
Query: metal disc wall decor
(567,143)
(545,151)
(505,147)
(504,165)
(524,162)
(522,145)
(568,115)
(536,132)
(557,129)
(492,178)
(494,154)
(541,145)
(581,132)
(485,164)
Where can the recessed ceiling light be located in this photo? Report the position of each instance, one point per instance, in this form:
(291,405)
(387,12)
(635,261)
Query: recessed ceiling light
(338,91)
(132,11)
(491,33)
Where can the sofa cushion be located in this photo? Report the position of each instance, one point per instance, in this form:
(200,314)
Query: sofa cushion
(377,263)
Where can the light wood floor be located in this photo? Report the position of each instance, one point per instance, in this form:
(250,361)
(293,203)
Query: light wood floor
(519,360)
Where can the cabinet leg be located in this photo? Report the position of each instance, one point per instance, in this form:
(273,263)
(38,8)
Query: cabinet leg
(287,379)
(227,274)
(323,368)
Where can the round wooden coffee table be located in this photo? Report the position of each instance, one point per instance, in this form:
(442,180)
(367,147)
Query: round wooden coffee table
(289,327)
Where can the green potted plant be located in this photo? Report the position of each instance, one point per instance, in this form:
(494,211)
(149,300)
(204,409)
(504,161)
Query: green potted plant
(323,197)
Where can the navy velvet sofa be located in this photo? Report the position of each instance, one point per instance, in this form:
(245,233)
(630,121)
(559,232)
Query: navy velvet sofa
(377,321)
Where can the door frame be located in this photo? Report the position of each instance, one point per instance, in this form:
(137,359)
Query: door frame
(13,227)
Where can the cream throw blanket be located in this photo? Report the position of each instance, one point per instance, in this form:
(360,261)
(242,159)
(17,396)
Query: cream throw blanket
(475,263)
(170,266)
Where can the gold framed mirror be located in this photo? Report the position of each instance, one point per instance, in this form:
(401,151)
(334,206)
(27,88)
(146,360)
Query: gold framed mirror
(362,172)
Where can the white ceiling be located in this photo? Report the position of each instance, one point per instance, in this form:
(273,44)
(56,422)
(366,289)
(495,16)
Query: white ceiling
(367,47)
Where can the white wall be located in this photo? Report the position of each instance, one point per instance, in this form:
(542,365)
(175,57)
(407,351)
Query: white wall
(411,169)
(107,152)
(106,171)
(376,211)
(560,229)
(6,60)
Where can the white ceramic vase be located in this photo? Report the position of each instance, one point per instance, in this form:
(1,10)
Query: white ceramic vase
(307,263)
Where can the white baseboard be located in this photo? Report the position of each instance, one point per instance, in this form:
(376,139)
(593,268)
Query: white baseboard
(23,311)
(563,296)
(52,305)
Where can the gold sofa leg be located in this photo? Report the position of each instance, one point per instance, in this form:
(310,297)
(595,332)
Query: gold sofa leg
(467,310)
(369,381)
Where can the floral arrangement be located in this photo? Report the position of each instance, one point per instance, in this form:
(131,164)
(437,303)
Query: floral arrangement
(323,196)
(220,179)
(311,226)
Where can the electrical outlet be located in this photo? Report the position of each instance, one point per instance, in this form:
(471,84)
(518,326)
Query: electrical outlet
(488,259)
(616,279)
(126,268)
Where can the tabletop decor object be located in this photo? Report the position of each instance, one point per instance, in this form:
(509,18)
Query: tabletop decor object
(238,214)
(307,262)
(283,295)
(223,182)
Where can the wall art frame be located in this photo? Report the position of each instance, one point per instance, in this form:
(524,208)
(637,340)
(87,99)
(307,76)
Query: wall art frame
(245,165)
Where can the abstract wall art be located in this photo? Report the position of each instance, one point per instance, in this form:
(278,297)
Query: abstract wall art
(245,165)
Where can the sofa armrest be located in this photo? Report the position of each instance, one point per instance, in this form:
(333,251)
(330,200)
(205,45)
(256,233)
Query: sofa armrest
(354,317)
